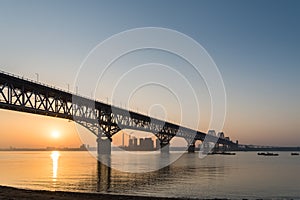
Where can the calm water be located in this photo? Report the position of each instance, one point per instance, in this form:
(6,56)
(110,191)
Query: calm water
(244,175)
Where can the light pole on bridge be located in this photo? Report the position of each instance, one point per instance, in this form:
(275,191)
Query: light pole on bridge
(37,77)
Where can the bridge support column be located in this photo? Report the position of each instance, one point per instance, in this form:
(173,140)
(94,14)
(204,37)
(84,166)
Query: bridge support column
(191,148)
(217,148)
(205,147)
(103,146)
(104,174)
(164,147)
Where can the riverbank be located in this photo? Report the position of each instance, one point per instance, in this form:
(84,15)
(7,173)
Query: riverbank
(10,193)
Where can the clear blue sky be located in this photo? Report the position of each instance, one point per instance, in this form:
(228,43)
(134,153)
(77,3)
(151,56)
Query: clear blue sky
(255,44)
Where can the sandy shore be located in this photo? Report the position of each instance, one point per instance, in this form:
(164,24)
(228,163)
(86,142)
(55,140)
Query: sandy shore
(9,193)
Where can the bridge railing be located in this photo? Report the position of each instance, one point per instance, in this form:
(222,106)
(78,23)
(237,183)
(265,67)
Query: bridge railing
(49,86)
(34,81)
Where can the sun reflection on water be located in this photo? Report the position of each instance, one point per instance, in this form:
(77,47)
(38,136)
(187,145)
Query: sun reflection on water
(54,155)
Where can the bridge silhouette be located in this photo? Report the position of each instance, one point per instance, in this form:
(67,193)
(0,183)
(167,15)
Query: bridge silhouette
(103,120)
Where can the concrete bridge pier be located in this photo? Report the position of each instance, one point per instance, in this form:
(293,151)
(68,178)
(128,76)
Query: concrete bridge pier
(103,174)
(205,147)
(218,147)
(191,147)
(103,145)
(165,148)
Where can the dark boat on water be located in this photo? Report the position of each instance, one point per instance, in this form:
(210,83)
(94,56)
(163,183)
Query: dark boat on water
(295,154)
(268,154)
(221,153)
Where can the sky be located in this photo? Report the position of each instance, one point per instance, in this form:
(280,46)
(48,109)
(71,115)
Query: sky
(255,45)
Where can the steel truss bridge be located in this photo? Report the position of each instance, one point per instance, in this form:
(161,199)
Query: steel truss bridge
(101,119)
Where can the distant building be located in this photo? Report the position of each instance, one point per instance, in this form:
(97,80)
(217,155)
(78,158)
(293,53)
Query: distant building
(84,147)
(135,144)
(50,148)
(157,144)
(130,143)
(145,144)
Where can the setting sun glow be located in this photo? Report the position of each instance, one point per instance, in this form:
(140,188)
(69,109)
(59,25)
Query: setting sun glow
(55,134)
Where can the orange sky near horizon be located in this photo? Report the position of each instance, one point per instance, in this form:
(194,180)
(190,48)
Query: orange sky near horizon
(20,129)
(24,130)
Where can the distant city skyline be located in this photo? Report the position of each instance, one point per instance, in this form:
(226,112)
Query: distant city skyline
(255,44)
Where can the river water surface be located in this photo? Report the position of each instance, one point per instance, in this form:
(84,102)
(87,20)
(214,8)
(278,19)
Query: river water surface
(244,175)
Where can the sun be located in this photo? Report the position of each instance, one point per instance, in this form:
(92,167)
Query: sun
(55,134)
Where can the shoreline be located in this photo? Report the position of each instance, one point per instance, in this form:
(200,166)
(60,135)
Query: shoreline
(12,193)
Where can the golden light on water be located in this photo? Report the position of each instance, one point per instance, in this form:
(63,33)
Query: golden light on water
(54,155)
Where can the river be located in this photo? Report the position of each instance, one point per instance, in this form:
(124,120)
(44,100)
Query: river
(244,175)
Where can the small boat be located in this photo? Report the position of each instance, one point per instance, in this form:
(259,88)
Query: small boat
(227,153)
(222,153)
(268,154)
(295,154)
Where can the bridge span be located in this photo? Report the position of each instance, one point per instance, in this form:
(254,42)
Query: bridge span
(101,119)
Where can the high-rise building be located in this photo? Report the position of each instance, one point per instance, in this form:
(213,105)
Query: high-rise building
(135,144)
(157,144)
(145,144)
